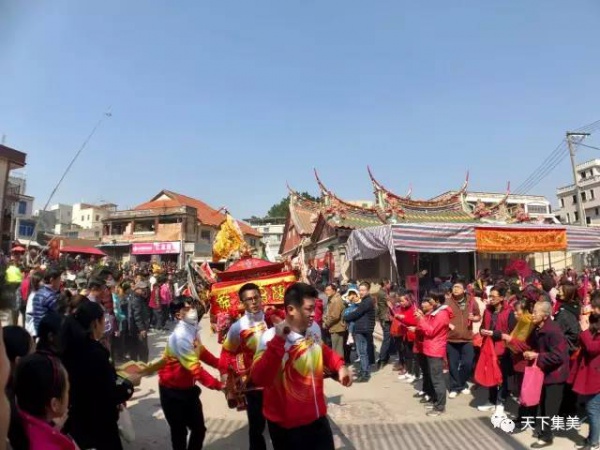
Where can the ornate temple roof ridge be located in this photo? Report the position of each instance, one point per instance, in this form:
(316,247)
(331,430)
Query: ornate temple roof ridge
(333,201)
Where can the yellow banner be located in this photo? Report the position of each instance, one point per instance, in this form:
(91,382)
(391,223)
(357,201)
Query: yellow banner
(501,240)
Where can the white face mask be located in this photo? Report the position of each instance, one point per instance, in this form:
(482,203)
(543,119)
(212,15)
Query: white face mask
(191,317)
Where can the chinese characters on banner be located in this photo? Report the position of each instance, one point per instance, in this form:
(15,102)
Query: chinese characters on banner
(224,296)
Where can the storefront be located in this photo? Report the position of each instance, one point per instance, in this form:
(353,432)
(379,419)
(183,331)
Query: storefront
(161,251)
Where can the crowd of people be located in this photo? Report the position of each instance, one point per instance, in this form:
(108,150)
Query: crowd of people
(489,331)
(62,386)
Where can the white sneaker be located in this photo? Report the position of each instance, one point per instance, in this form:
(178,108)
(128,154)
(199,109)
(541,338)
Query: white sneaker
(453,395)
(466,391)
(403,376)
(499,411)
(410,379)
(487,407)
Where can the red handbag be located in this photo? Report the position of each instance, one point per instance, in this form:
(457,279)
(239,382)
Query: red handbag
(487,371)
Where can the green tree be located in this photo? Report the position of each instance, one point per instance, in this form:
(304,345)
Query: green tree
(281,209)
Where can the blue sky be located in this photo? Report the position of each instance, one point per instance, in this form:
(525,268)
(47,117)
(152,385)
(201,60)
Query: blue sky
(226,101)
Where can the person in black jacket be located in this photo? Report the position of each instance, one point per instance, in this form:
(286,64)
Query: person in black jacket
(567,318)
(138,322)
(364,325)
(96,392)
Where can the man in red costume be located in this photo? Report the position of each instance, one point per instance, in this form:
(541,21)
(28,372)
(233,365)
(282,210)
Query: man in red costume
(179,395)
(238,352)
(290,365)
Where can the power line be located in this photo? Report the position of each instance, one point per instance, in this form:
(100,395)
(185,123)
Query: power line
(547,162)
(588,146)
(81,148)
(552,161)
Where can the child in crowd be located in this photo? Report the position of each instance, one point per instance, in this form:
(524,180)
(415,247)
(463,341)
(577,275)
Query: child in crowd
(42,392)
(18,344)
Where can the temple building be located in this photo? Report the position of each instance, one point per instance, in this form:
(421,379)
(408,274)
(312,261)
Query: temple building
(315,233)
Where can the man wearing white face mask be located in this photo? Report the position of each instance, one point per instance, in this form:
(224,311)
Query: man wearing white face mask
(179,395)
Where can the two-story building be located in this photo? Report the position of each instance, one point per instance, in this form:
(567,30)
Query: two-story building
(272,234)
(23,222)
(10,159)
(588,179)
(169,227)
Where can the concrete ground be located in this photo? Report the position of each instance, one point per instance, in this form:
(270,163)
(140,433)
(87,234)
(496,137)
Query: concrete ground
(381,414)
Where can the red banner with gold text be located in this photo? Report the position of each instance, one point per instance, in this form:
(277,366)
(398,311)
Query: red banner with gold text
(506,240)
(224,296)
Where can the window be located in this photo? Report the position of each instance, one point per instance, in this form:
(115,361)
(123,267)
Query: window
(537,209)
(205,234)
(592,194)
(596,211)
(26,228)
(97,218)
(253,242)
(265,229)
(583,197)
(576,216)
(562,202)
(88,217)
(588,220)
(22,207)
(568,218)
(574,199)
(82,218)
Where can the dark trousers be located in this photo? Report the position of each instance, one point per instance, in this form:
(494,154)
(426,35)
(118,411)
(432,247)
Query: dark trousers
(412,364)
(314,436)
(570,399)
(138,348)
(499,394)
(256,420)
(427,385)
(370,347)
(436,374)
(399,340)
(387,345)
(183,411)
(552,395)
(460,364)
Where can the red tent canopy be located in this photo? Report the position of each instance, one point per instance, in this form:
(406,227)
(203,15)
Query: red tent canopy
(248,268)
(83,251)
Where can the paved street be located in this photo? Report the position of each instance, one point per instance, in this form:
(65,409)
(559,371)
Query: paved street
(381,414)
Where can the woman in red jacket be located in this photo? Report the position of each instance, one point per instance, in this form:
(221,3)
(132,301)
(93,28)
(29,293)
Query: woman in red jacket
(435,329)
(408,319)
(584,375)
(427,393)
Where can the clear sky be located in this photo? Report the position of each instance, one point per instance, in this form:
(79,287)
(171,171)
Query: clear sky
(227,100)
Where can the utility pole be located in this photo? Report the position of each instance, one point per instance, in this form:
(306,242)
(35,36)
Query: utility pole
(571,144)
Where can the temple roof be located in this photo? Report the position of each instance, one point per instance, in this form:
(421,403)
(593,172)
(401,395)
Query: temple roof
(397,209)
(342,214)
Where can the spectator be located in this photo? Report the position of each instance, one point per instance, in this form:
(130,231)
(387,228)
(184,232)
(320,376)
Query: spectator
(42,391)
(435,328)
(334,322)
(364,325)
(46,298)
(461,354)
(35,281)
(383,315)
(550,352)
(584,375)
(18,345)
(138,323)
(93,411)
